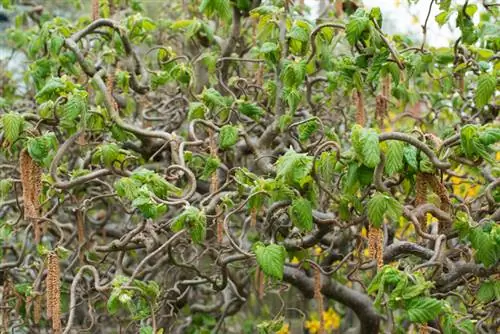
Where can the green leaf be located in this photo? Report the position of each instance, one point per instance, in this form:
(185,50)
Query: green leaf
(271,259)
(251,110)
(442,17)
(56,43)
(382,205)
(358,23)
(220,8)
(5,187)
(486,84)
(127,187)
(197,110)
(394,157)
(371,149)
(13,124)
(211,166)
(325,166)
(423,309)
(51,89)
(228,136)
(488,291)
(194,220)
(301,214)
(307,129)
(292,167)
(410,155)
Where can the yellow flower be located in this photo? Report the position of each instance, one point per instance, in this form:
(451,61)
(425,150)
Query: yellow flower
(331,318)
(366,252)
(285,329)
(317,251)
(363,232)
(295,260)
(313,326)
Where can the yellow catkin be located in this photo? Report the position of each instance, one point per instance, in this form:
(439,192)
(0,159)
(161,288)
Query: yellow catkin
(360,107)
(95,10)
(31,180)
(376,245)
(53,292)
(318,296)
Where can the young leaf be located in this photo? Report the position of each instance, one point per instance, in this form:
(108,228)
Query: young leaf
(381,205)
(13,124)
(271,259)
(307,129)
(211,166)
(251,110)
(486,84)
(301,214)
(423,309)
(358,23)
(371,149)
(228,136)
(394,157)
(292,167)
(194,220)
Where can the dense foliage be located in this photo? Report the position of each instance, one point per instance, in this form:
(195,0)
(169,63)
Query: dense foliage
(236,166)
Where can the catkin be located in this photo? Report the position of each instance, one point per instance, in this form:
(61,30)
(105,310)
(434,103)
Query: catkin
(220,226)
(95,10)
(421,195)
(37,309)
(109,86)
(6,293)
(53,292)
(31,180)
(376,245)
(319,298)
(339,8)
(445,204)
(80,228)
(360,107)
(260,281)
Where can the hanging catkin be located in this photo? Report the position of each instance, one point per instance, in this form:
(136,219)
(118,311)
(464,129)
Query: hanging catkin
(37,309)
(31,180)
(421,181)
(360,107)
(382,101)
(439,189)
(95,10)
(319,298)
(376,245)
(53,292)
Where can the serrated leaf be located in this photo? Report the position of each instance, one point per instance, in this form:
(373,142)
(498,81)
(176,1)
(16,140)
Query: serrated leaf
(486,84)
(251,110)
(271,259)
(410,155)
(13,124)
(194,220)
(423,309)
(307,129)
(51,89)
(358,23)
(370,149)
(487,291)
(211,165)
(394,157)
(301,214)
(228,136)
(221,8)
(382,205)
(292,167)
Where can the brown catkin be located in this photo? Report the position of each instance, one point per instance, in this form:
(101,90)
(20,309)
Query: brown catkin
(260,280)
(37,309)
(253,217)
(31,180)
(439,189)
(95,10)
(376,245)
(110,81)
(220,224)
(421,183)
(53,292)
(380,109)
(360,107)
(80,229)
(318,296)
(6,294)
(424,329)
(339,8)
